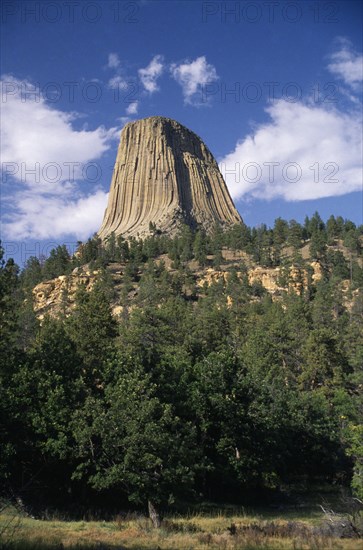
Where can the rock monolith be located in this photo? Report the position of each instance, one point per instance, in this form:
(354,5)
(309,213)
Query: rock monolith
(164,177)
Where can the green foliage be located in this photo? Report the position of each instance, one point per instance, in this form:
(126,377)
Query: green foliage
(354,435)
(352,241)
(318,245)
(10,356)
(295,234)
(200,248)
(280,231)
(32,274)
(93,330)
(325,365)
(49,387)
(10,297)
(202,391)
(132,438)
(58,263)
(337,264)
(314,225)
(238,237)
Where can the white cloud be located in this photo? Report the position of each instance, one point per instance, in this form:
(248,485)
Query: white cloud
(113,61)
(124,120)
(150,74)
(325,139)
(43,156)
(117,81)
(132,109)
(347,64)
(192,75)
(34,132)
(45,217)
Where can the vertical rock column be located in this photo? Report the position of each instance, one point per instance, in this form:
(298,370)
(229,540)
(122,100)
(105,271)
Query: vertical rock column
(164,174)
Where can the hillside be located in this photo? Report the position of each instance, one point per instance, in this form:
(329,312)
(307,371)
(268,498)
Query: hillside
(57,296)
(222,367)
(263,259)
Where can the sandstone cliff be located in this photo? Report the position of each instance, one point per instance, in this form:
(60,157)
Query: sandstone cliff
(57,296)
(164,174)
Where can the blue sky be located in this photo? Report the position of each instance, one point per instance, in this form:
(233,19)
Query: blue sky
(273,88)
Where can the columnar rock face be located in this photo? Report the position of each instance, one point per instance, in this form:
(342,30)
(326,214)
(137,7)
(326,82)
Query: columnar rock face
(164,174)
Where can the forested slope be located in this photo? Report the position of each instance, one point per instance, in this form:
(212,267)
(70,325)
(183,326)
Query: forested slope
(202,385)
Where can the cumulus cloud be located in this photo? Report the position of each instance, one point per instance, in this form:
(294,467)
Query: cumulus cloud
(132,109)
(45,217)
(117,81)
(113,61)
(124,120)
(150,74)
(192,75)
(304,152)
(34,132)
(43,160)
(347,64)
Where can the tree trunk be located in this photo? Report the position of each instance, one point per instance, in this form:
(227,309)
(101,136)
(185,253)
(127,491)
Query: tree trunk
(154,514)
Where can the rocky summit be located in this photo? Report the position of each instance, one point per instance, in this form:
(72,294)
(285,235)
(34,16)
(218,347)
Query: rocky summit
(165,177)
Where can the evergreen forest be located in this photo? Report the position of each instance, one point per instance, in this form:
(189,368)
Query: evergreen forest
(220,392)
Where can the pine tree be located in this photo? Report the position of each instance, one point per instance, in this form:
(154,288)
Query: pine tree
(93,329)
(200,248)
(58,263)
(32,273)
(134,439)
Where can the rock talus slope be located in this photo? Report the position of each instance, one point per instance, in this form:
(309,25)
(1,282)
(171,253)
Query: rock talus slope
(164,174)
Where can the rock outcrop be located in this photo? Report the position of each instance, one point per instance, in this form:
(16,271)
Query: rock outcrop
(57,296)
(165,175)
(271,278)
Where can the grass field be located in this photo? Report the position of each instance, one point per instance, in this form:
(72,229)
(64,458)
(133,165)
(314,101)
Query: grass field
(237,529)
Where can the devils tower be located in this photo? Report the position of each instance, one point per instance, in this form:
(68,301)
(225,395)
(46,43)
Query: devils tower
(164,174)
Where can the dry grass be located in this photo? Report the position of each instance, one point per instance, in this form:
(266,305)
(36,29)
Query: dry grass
(194,532)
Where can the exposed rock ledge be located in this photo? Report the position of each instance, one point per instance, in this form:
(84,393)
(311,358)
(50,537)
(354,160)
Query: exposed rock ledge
(57,295)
